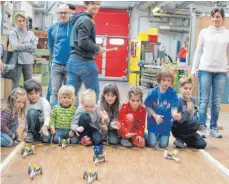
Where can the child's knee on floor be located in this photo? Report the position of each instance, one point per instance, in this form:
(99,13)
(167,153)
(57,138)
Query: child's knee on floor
(6,141)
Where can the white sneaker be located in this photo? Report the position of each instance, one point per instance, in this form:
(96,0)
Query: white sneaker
(203,132)
(215,133)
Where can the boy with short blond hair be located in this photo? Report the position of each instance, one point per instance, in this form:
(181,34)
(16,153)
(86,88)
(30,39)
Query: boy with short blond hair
(86,121)
(185,129)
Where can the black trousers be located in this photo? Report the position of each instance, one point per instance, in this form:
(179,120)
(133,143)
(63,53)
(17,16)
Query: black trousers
(193,141)
(93,133)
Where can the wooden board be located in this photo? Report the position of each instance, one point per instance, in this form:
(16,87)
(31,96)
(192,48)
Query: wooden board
(122,166)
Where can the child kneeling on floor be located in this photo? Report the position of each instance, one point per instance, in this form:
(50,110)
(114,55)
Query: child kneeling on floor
(9,117)
(132,119)
(185,129)
(86,122)
(161,104)
(62,114)
(38,115)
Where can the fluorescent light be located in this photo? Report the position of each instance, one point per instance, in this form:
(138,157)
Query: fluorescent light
(156,9)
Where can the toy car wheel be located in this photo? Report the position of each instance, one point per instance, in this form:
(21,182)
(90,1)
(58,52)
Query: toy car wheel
(59,141)
(166,153)
(96,177)
(33,149)
(93,157)
(68,141)
(41,171)
(29,168)
(175,153)
(84,175)
(22,151)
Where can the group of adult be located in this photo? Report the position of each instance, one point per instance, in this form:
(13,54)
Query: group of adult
(72,44)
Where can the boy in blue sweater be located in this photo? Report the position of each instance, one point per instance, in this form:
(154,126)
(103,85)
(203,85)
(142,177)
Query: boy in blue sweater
(59,46)
(161,104)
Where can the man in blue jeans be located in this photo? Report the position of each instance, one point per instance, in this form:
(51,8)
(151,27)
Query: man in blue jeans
(81,65)
(59,46)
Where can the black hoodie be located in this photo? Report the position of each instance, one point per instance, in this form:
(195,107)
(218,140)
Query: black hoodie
(83,36)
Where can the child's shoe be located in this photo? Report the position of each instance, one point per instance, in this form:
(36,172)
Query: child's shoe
(215,133)
(29,138)
(203,132)
(85,140)
(105,139)
(179,144)
(126,143)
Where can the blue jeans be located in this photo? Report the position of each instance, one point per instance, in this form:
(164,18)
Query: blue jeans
(89,131)
(83,71)
(6,140)
(35,123)
(208,82)
(59,76)
(61,133)
(49,90)
(153,139)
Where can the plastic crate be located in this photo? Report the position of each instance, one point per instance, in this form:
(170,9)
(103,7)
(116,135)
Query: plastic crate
(153,38)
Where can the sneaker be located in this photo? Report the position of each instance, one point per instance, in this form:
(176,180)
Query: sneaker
(203,132)
(29,138)
(179,144)
(126,143)
(215,133)
(85,140)
(105,139)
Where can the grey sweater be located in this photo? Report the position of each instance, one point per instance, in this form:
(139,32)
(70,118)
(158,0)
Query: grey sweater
(27,48)
(94,115)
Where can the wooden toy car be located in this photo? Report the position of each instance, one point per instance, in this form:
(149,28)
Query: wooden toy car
(98,156)
(64,142)
(34,170)
(90,175)
(173,155)
(28,150)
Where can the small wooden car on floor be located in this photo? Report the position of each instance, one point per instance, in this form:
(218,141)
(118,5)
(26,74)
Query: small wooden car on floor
(90,175)
(64,142)
(28,150)
(34,169)
(98,155)
(172,155)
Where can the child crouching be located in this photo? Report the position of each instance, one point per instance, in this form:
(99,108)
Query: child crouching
(62,114)
(9,117)
(86,121)
(38,115)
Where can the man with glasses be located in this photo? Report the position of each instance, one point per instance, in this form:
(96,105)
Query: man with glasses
(81,64)
(59,46)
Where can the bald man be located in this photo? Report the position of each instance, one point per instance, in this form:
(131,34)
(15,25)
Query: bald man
(59,46)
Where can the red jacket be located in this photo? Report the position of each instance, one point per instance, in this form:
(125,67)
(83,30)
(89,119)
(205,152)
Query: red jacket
(139,120)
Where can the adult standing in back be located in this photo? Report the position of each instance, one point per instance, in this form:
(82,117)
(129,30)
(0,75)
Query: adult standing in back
(59,46)
(25,43)
(210,64)
(81,64)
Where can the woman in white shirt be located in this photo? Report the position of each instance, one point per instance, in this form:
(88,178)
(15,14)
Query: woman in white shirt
(210,65)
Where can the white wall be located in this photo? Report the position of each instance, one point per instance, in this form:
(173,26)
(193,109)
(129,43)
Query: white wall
(168,39)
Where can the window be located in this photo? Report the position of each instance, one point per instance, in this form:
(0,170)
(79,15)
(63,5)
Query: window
(99,40)
(116,41)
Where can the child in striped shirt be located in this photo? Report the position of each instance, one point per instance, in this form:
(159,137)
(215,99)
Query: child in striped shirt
(62,114)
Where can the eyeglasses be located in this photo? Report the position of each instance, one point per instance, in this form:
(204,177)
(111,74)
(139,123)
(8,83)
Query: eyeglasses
(64,13)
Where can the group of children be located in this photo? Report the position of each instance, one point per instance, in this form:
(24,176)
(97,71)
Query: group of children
(106,122)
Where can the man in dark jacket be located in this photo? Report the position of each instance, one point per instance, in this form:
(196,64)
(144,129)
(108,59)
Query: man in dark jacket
(81,64)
